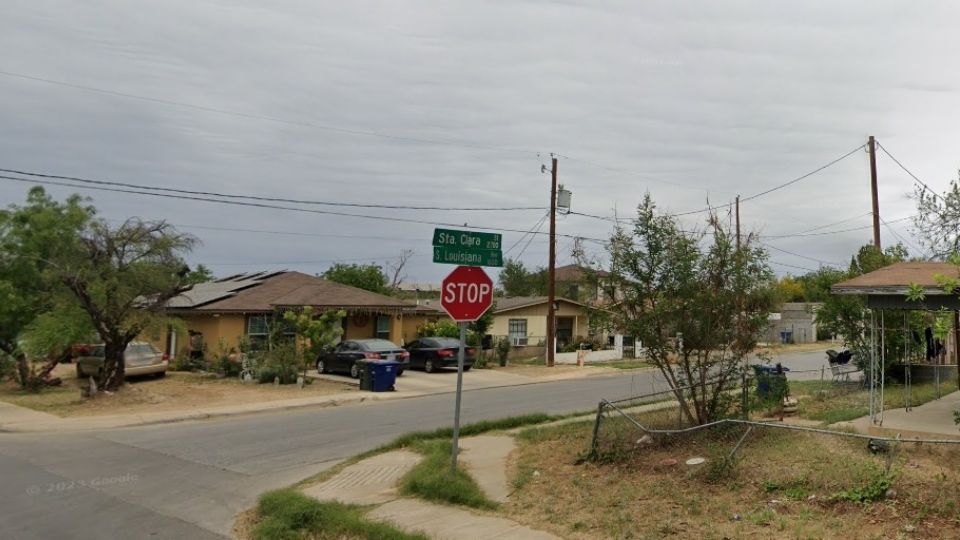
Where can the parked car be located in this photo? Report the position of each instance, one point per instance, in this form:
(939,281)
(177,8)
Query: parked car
(433,353)
(343,358)
(140,358)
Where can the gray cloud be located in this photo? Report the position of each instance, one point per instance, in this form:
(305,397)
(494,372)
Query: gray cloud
(698,100)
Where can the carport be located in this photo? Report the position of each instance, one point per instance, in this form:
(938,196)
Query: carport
(889,298)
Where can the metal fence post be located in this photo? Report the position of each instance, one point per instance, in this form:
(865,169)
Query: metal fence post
(596,431)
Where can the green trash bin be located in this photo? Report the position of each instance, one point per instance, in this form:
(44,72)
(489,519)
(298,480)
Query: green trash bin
(366,375)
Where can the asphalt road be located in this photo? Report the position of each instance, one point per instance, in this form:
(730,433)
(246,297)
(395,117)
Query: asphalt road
(189,480)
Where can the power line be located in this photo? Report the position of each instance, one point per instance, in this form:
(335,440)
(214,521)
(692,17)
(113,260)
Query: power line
(797,235)
(280,263)
(289,233)
(259,198)
(269,206)
(842,221)
(301,123)
(778,187)
(793,266)
(536,226)
(902,240)
(906,170)
(828,263)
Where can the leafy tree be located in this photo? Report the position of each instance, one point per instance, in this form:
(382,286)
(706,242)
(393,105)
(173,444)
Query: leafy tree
(695,301)
(30,235)
(937,221)
(816,285)
(122,279)
(369,277)
(515,279)
(791,290)
(313,333)
(200,274)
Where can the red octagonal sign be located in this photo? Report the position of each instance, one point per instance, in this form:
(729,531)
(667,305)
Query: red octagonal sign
(466,293)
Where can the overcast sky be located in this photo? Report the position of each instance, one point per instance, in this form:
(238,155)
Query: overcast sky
(691,101)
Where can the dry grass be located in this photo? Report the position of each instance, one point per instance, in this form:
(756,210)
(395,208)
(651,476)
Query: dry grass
(783,485)
(838,403)
(177,391)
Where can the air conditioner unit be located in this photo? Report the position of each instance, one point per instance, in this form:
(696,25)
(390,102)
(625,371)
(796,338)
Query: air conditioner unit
(519,341)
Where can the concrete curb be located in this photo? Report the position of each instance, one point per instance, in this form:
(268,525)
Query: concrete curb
(94,423)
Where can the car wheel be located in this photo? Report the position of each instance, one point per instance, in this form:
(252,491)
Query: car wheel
(428,366)
(467,368)
(321,367)
(399,373)
(161,375)
(355,371)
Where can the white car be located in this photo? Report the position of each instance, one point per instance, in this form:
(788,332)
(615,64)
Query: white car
(140,357)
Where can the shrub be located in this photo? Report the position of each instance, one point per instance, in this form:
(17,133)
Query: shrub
(503,350)
(280,362)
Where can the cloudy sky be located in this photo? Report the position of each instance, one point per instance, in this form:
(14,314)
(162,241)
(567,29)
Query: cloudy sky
(458,104)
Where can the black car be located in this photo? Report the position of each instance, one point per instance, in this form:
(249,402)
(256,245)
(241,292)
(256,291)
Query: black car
(343,358)
(433,353)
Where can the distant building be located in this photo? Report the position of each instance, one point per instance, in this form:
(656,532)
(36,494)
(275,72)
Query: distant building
(795,323)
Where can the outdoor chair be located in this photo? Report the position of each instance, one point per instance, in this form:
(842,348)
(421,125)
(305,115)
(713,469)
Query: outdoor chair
(841,368)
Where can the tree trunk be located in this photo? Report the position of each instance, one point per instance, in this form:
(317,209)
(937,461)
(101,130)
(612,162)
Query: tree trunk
(113,374)
(23,369)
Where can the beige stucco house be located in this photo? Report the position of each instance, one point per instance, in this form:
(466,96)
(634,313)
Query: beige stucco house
(523,320)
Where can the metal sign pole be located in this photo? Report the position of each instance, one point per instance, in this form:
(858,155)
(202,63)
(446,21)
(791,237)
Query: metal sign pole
(456,411)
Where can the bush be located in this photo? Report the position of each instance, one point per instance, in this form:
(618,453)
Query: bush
(280,362)
(503,350)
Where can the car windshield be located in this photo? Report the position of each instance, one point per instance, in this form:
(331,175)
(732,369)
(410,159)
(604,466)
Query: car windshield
(377,345)
(142,348)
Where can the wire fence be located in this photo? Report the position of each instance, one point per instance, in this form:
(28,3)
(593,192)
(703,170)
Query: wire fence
(654,427)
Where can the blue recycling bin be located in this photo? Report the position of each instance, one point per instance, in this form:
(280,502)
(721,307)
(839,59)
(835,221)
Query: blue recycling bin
(771,379)
(383,375)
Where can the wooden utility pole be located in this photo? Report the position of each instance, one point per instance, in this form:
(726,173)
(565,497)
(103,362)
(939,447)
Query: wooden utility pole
(552,270)
(738,222)
(872,149)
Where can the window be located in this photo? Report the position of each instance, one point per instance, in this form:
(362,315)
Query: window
(517,329)
(383,327)
(257,330)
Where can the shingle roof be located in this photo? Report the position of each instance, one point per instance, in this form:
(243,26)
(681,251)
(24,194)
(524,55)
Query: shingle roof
(896,278)
(573,272)
(289,289)
(517,302)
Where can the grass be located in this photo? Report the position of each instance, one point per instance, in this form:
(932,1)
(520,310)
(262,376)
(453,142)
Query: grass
(433,480)
(410,439)
(783,485)
(839,405)
(624,364)
(287,514)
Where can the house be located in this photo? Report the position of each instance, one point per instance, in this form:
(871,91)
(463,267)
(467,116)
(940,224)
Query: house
(243,305)
(794,323)
(572,281)
(523,319)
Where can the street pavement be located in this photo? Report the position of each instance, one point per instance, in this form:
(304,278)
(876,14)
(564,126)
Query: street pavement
(189,480)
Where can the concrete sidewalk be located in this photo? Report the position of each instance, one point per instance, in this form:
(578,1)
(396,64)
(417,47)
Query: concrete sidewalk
(411,385)
(374,481)
(932,420)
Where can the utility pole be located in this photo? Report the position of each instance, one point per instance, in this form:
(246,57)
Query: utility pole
(552,270)
(872,149)
(738,222)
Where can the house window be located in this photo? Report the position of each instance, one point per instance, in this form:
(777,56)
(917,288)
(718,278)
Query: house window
(383,327)
(517,329)
(258,328)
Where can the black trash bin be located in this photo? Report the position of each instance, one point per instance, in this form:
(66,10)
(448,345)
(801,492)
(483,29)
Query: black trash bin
(771,378)
(366,375)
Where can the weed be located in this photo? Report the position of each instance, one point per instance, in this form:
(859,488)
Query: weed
(433,480)
(874,490)
(287,514)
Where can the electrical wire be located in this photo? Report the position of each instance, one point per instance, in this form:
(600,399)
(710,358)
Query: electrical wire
(779,186)
(632,173)
(821,261)
(536,226)
(271,206)
(901,239)
(259,198)
(863,228)
(793,266)
(239,114)
(906,170)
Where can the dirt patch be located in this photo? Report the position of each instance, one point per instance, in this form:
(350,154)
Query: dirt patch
(783,485)
(177,391)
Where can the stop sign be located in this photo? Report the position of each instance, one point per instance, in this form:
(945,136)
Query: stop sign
(466,293)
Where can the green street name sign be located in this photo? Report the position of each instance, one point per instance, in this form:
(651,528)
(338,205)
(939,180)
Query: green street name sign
(467,257)
(466,239)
